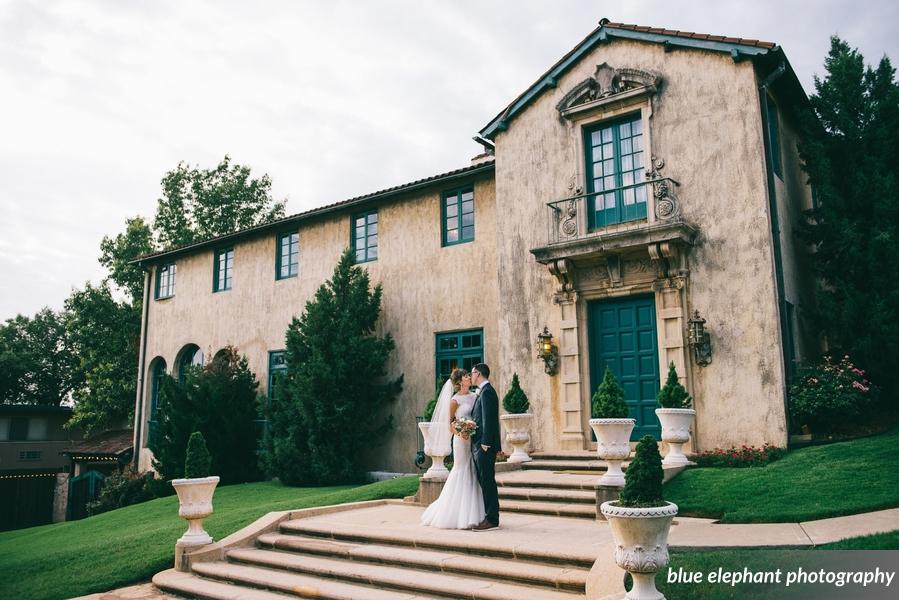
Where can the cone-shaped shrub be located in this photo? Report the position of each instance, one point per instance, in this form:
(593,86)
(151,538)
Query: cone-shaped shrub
(516,401)
(197,462)
(643,478)
(608,401)
(673,394)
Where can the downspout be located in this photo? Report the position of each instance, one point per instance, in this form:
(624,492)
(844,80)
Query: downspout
(141,368)
(775,235)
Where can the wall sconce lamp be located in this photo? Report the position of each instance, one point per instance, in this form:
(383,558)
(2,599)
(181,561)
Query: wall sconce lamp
(547,351)
(699,340)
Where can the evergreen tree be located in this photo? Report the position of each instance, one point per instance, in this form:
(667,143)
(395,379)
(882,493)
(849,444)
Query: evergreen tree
(644,475)
(220,401)
(673,394)
(197,461)
(516,401)
(327,412)
(850,151)
(608,401)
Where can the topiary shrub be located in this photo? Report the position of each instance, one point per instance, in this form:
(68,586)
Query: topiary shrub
(643,478)
(196,464)
(516,402)
(673,394)
(608,401)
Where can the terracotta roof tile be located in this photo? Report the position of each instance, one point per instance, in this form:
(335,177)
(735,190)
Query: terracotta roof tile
(111,443)
(692,35)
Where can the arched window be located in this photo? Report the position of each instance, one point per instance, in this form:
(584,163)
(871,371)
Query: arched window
(190,356)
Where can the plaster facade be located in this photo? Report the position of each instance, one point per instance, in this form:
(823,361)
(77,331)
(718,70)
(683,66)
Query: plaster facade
(703,126)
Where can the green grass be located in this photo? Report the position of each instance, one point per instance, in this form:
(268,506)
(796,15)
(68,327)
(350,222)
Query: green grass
(132,544)
(757,559)
(812,483)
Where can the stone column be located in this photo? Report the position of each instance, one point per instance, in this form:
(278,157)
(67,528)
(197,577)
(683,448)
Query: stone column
(570,376)
(60,497)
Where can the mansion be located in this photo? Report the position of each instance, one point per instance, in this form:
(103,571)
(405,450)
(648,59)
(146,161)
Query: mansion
(647,181)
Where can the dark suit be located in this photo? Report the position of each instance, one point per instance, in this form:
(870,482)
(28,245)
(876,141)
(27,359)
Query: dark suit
(485,413)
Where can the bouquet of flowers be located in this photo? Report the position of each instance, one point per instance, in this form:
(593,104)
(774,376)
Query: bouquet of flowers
(464,426)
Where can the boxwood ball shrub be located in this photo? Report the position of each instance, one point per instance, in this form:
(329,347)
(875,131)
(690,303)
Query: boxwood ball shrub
(608,401)
(196,464)
(673,394)
(643,478)
(516,402)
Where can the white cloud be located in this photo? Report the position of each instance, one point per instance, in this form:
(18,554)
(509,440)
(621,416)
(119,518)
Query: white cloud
(332,100)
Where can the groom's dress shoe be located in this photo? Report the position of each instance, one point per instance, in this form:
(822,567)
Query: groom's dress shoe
(484,525)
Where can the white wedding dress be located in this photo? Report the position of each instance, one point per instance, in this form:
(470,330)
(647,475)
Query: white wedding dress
(461,503)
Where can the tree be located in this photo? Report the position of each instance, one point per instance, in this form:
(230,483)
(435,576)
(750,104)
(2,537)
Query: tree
(197,203)
(117,253)
(516,402)
(850,151)
(220,400)
(37,364)
(104,335)
(327,411)
(608,401)
(673,394)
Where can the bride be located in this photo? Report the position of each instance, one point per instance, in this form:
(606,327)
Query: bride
(461,503)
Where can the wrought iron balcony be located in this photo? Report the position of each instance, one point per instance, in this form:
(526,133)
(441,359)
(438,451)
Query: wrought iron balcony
(615,220)
(617,209)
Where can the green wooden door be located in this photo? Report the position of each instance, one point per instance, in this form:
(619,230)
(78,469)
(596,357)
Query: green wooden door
(622,335)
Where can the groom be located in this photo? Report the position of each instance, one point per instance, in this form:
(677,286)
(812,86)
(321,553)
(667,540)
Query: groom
(485,443)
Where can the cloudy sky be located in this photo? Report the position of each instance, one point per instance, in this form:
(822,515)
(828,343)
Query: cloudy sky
(98,99)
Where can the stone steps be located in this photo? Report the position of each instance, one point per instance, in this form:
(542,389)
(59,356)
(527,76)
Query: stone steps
(555,509)
(579,465)
(547,494)
(551,576)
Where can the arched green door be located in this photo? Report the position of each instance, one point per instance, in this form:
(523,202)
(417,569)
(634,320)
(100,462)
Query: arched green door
(622,335)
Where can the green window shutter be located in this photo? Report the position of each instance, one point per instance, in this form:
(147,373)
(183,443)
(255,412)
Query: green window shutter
(616,171)
(774,137)
(365,236)
(287,257)
(457,216)
(458,349)
(223,272)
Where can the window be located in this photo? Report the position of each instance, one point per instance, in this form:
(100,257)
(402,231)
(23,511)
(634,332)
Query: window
(37,430)
(365,236)
(458,216)
(165,281)
(277,367)
(156,374)
(30,455)
(616,180)
(287,260)
(18,429)
(224,270)
(458,349)
(4,429)
(774,138)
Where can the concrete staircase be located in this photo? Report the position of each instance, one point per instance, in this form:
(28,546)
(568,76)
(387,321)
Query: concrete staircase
(342,562)
(561,484)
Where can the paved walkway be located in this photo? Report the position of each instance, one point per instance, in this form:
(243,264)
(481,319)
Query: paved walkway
(575,537)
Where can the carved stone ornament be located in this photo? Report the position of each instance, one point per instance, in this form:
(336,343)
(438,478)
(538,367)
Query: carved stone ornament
(608,82)
(667,207)
(563,271)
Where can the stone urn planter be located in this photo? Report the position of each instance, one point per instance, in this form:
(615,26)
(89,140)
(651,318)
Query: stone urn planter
(518,434)
(677,424)
(641,544)
(613,446)
(438,469)
(195,504)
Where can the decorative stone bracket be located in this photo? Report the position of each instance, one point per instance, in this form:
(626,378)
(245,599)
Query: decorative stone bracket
(607,86)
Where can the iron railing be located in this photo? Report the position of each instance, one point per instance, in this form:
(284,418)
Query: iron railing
(610,210)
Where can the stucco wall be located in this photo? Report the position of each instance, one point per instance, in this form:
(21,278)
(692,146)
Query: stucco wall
(427,289)
(706,125)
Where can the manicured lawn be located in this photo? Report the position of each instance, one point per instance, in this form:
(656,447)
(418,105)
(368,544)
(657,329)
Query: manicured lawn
(133,543)
(759,559)
(812,483)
